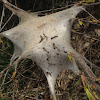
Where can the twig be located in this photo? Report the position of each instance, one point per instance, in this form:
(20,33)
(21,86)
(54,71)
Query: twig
(97,3)
(6,22)
(11,5)
(14,7)
(84,65)
(87,70)
(7,69)
(89,21)
(90,14)
(93,65)
(54,9)
(15,3)
(4,79)
(3,71)
(85,35)
(67,7)
(2,16)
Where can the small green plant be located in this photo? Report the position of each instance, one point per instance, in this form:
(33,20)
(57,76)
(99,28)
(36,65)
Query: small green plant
(91,94)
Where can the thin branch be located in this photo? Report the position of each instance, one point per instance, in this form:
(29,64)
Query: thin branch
(9,5)
(91,77)
(92,4)
(54,9)
(3,71)
(7,69)
(6,22)
(3,82)
(19,12)
(84,65)
(93,65)
(68,6)
(85,35)
(2,16)
(90,14)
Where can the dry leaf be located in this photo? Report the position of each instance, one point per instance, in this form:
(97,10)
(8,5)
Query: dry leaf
(80,22)
(14,74)
(86,44)
(70,57)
